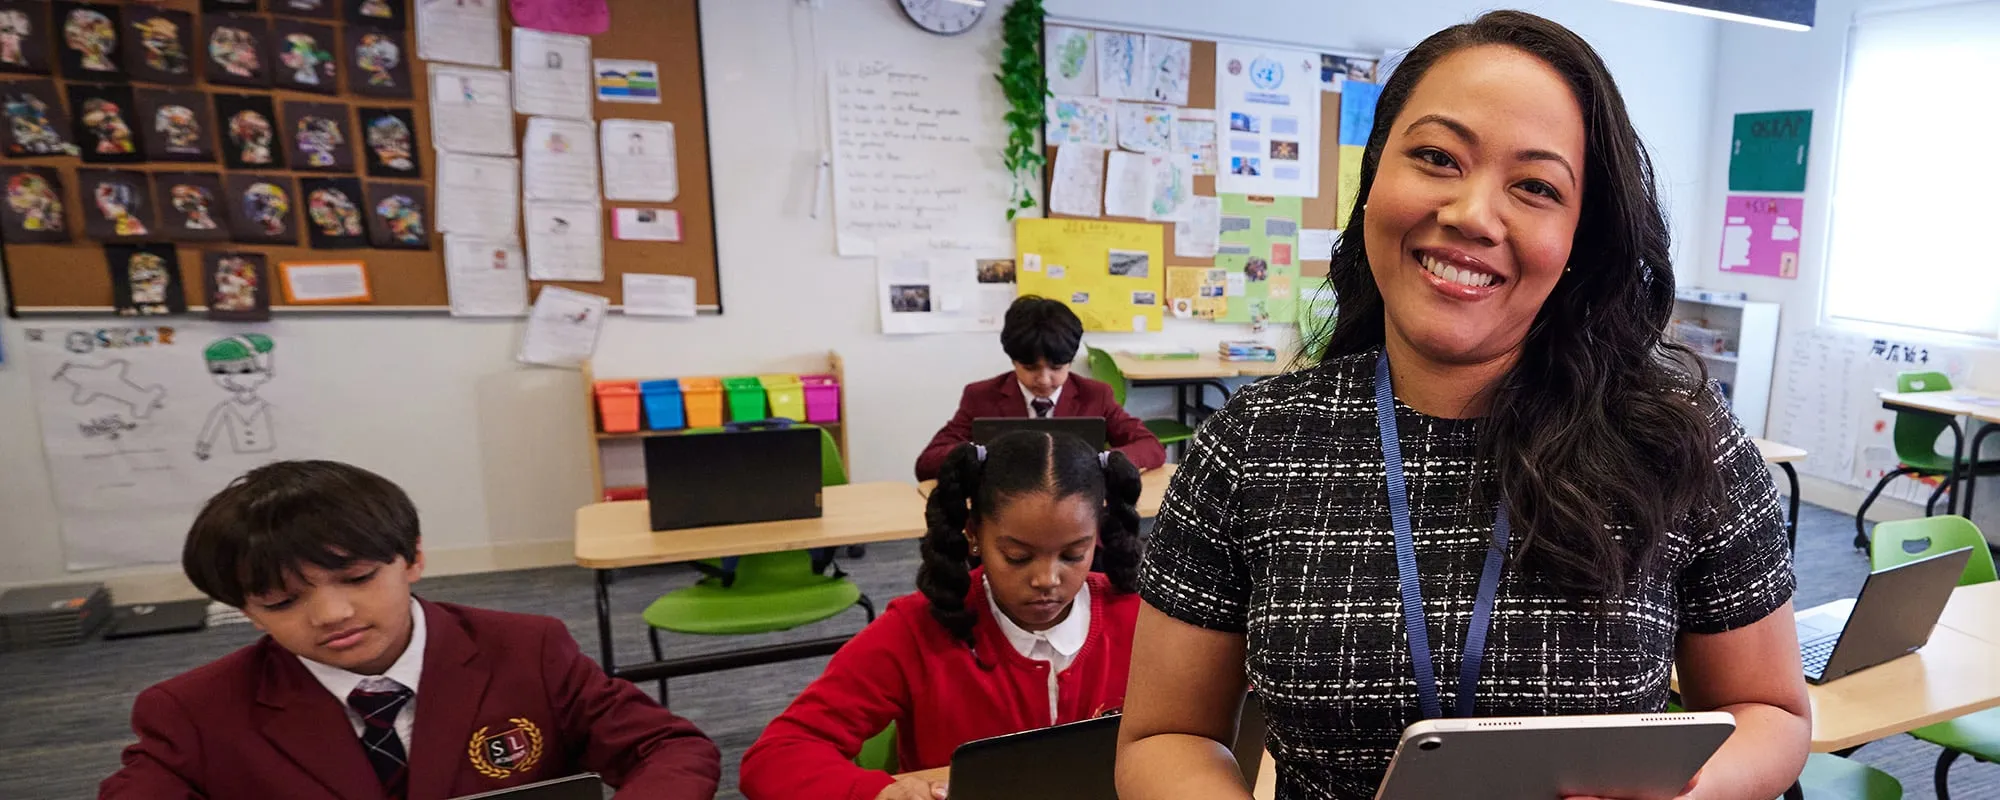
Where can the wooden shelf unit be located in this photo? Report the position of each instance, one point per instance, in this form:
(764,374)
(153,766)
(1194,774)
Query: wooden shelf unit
(598,441)
(1749,330)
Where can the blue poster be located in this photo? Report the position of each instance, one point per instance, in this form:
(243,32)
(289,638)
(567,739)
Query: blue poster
(1357,111)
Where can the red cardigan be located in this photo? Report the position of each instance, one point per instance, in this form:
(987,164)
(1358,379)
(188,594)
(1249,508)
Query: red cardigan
(256,724)
(907,669)
(1081,397)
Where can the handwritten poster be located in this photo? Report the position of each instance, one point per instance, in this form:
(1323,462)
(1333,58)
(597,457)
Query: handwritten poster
(1760,235)
(1112,274)
(909,147)
(1767,151)
(1268,113)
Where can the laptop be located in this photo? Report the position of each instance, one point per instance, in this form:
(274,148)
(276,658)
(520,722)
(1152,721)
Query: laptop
(575,787)
(1084,753)
(763,472)
(157,618)
(1089,429)
(1894,616)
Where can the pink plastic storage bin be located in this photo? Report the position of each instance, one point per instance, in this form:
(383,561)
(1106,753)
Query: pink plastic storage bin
(822,398)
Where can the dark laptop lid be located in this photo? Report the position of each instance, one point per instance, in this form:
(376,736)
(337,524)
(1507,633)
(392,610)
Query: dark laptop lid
(147,619)
(1896,611)
(1090,429)
(751,472)
(587,786)
(1067,762)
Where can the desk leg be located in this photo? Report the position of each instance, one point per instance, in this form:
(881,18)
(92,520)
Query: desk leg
(1957,462)
(1792,518)
(1972,466)
(604,621)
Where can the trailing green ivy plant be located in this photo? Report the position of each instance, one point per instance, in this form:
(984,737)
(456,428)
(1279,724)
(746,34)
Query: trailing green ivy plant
(1027,86)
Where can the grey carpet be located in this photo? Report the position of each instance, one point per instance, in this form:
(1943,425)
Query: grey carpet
(63,713)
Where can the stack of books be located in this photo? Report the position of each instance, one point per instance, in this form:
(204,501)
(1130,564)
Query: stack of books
(52,616)
(1247,351)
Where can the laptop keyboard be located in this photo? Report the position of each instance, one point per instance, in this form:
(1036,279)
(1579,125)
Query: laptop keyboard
(1815,654)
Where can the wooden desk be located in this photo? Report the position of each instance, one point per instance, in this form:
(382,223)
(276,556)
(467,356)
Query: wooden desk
(1950,404)
(1152,489)
(1266,789)
(1954,675)
(1975,611)
(1784,455)
(610,536)
(1206,366)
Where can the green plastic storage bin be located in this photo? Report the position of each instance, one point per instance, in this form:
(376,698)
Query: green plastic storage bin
(746,399)
(787,395)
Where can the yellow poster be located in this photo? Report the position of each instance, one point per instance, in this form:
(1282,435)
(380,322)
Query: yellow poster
(1196,292)
(1112,274)
(1350,180)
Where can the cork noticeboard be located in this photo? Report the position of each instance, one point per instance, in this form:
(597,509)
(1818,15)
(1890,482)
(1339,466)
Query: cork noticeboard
(73,276)
(1317,212)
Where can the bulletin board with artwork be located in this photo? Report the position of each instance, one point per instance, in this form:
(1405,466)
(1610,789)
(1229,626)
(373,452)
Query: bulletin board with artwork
(189,142)
(1098,79)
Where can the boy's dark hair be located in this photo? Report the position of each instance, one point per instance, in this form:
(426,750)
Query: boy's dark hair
(1039,330)
(1021,463)
(267,525)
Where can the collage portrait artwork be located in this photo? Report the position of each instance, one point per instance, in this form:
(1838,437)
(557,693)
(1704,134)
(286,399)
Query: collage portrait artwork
(87,41)
(389,141)
(117,204)
(262,209)
(34,212)
(236,50)
(317,136)
(176,125)
(236,285)
(159,45)
(333,213)
(304,52)
(377,63)
(309,9)
(248,128)
(36,123)
(191,206)
(103,124)
(145,279)
(399,216)
(24,36)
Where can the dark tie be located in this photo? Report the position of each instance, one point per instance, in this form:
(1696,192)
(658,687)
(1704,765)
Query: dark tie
(1042,406)
(378,710)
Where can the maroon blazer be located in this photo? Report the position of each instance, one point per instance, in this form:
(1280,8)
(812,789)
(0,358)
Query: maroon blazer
(505,699)
(1081,397)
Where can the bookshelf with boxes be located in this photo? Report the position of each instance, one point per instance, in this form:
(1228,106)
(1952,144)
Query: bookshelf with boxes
(1737,340)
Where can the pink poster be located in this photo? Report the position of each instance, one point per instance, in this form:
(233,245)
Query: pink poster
(580,17)
(1760,235)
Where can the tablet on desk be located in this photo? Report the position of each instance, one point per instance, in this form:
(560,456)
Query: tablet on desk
(1635,756)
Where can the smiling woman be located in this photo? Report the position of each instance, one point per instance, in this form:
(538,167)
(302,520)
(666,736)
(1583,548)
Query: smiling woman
(1498,471)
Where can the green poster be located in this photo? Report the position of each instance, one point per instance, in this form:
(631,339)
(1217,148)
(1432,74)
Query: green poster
(1259,246)
(1767,153)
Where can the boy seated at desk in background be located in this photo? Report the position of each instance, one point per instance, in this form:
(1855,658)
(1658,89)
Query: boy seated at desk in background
(1042,336)
(360,691)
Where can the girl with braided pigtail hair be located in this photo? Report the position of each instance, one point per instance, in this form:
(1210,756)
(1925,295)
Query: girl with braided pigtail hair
(1011,629)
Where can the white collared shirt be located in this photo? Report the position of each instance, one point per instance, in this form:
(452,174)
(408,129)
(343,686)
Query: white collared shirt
(1029,395)
(1057,645)
(408,670)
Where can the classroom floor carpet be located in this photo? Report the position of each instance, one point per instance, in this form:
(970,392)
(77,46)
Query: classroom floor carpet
(64,713)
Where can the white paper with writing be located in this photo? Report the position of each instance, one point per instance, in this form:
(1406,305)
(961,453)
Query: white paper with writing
(1195,234)
(486,277)
(343,282)
(646,224)
(1078,181)
(459,32)
(913,155)
(658,295)
(552,76)
(559,160)
(479,195)
(565,240)
(563,327)
(639,160)
(471,110)
(1127,185)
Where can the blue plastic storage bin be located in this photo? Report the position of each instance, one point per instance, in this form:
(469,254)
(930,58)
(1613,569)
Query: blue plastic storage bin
(664,411)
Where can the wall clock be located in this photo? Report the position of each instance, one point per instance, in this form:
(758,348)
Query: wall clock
(945,17)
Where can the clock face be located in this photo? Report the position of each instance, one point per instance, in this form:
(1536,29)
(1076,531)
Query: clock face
(947,17)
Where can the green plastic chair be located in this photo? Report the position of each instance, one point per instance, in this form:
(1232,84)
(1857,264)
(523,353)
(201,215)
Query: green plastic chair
(763,593)
(1105,368)
(1830,776)
(1976,734)
(879,752)
(1916,437)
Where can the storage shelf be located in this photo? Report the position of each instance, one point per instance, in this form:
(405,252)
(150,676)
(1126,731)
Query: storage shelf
(648,434)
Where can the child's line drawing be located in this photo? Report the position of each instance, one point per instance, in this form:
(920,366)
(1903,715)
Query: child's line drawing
(241,364)
(108,381)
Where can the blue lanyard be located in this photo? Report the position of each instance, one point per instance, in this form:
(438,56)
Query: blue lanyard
(1406,568)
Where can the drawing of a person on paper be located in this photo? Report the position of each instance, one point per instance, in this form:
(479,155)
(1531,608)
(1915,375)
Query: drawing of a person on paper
(240,364)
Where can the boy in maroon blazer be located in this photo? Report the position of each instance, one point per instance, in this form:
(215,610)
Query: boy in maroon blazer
(1042,336)
(359,691)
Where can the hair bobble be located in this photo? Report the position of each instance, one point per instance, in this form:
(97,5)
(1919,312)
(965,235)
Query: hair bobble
(1103,459)
(980,451)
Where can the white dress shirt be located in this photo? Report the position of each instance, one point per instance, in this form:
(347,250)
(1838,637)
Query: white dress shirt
(1057,645)
(1029,398)
(408,670)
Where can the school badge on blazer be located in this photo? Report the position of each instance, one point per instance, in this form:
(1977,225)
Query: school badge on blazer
(512,751)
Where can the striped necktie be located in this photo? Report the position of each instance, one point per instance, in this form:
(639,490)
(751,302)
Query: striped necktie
(378,706)
(1042,406)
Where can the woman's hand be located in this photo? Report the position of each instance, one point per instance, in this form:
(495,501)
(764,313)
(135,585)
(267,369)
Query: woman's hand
(913,789)
(1687,792)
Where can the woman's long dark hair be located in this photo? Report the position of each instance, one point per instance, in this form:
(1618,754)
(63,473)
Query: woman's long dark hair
(1017,464)
(1593,429)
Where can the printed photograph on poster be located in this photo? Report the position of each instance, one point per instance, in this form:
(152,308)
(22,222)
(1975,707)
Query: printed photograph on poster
(24,37)
(459,33)
(103,129)
(1146,127)
(378,13)
(261,210)
(1076,186)
(1167,62)
(1337,70)
(995,270)
(118,204)
(236,50)
(157,47)
(639,161)
(399,216)
(1760,235)
(563,327)
(176,125)
(658,295)
(910,299)
(145,280)
(1087,121)
(1072,61)
(87,41)
(191,206)
(237,285)
(305,55)
(1121,66)
(389,142)
(559,160)
(1269,95)
(485,277)
(309,9)
(34,212)
(565,241)
(646,224)
(333,213)
(325,282)
(36,122)
(377,64)
(626,81)
(472,110)
(318,137)
(1129,264)
(249,127)
(552,75)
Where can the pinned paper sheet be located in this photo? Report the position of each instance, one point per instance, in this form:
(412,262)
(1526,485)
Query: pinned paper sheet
(626,81)
(1357,111)
(1127,185)
(658,295)
(1194,134)
(646,224)
(463,33)
(479,195)
(485,277)
(639,161)
(1089,121)
(1315,244)
(1110,273)
(1167,62)
(1350,181)
(943,286)
(1195,234)
(1146,127)
(563,327)
(1121,66)
(472,110)
(1072,60)
(582,17)
(324,282)
(565,241)
(1267,106)
(1267,230)
(552,76)
(1077,184)
(559,160)
(1169,187)
(1335,71)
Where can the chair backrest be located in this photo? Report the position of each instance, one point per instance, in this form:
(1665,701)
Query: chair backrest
(1916,435)
(879,752)
(1105,368)
(1937,535)
(832,472)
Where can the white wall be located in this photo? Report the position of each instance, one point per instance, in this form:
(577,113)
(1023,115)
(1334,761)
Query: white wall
(493,452)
